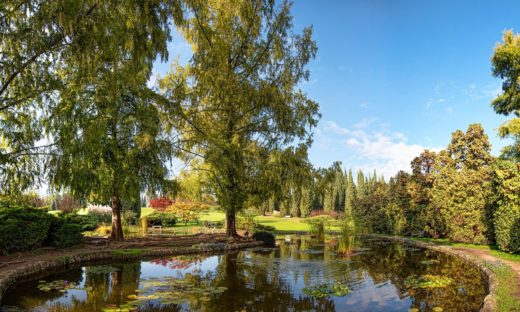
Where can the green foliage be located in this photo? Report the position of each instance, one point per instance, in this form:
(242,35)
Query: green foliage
(462,189)
(266,237)
(50,48)
(505,66)
(166,219)
(511,129)
(239,93)
(22,228)
(64,234)
(325,290)
(88,222)
(317,224)
(110,141)
(507,212)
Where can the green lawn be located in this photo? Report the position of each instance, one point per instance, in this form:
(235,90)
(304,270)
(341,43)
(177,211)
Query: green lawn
(283,224)
(146,211)
(278,223)
(213,216)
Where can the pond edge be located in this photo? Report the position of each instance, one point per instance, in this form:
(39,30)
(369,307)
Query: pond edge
(39,269)
(490,302)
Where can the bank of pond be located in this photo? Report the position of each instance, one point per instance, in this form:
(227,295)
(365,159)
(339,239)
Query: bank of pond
(299,273)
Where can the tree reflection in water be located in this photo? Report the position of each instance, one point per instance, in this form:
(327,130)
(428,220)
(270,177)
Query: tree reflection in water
(269,279)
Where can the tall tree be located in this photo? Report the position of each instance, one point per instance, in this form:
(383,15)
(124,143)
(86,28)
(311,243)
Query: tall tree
(106,125)
(418,218)
(239,91)
(350,194)
(505,65)
(462,186)
(36,38)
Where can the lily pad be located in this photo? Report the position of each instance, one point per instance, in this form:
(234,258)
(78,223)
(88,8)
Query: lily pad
(325,290)
(427,281)
(57,285)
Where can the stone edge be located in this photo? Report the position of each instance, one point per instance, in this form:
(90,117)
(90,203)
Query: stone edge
(62,263)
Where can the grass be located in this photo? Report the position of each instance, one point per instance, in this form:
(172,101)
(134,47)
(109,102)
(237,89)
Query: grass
(283,224)
(146,211)
(213,215)
(507,300)
(280,224)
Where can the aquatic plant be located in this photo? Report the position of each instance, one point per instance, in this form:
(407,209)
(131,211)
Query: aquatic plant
(326,290)
(171,290)
(427,281)
(57,285)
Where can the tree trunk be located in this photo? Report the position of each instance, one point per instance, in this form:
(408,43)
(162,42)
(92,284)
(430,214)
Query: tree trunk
(231,230)
(117,228)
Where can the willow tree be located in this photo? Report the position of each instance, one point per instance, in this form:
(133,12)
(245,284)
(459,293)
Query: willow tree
(34,36)
(240,96)
(106,124)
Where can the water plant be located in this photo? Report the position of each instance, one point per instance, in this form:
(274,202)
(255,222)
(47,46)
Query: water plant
(427,281)
(172,290)
(326,290)
(57,285)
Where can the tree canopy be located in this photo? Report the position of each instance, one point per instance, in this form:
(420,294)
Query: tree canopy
(239,93)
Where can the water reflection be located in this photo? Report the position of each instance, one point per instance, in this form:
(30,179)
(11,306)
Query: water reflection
(267,279)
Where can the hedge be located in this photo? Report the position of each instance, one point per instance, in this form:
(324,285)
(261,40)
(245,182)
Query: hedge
(22,228)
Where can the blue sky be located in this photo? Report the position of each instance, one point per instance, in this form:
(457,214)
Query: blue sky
(395,77)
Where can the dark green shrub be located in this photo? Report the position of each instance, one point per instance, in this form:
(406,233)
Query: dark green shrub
(162,218)
(266,237)
(22,228)
(87,222)
(63,233)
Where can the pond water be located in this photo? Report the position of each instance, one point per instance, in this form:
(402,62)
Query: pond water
(300,274)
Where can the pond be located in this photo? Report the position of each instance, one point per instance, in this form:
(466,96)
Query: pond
(300,274)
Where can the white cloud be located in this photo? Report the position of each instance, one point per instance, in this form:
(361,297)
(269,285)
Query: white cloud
(383,150)
(364,123)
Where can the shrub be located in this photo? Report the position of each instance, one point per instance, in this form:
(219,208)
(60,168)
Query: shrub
(22,228)
(63,233)
(160,203)
(129,217)
(88,222)
(266,237)
(507,212)
(162,218)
